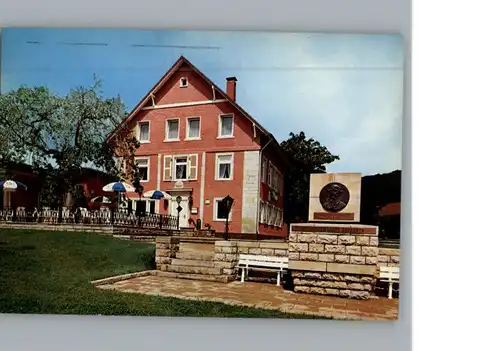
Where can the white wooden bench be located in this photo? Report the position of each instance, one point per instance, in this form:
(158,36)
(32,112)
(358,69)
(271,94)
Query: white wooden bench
(389,275)
(262,263)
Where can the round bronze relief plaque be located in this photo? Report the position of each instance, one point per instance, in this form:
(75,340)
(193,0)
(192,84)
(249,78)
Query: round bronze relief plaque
(334,197)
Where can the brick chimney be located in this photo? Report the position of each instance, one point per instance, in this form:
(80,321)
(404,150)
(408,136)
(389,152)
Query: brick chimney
(231,87)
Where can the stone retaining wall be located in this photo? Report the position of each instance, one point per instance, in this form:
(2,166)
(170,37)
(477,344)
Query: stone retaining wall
(334,259)
(388,257)
(267,248)
(166,248)
(147,235)
(234,248)
(60,227)
(227,253)
(226,257)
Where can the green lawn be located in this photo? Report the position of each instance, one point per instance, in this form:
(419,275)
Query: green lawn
(50,272)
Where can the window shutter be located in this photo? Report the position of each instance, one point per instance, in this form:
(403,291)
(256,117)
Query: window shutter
(193,167)
(167,168)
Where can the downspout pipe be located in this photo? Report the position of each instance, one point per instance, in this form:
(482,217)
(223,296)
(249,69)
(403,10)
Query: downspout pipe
(259,185)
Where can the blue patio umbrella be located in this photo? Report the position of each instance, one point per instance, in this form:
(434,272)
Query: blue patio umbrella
(156,194)
(12,185)
(119,187)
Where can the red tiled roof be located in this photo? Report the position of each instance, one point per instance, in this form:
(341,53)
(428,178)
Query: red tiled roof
(391,209)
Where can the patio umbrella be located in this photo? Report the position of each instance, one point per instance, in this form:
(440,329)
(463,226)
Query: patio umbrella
(119,187)
(12,185)
(156,194)
(101,199)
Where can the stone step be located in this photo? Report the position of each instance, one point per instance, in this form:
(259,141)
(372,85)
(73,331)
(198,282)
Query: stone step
(201,256)
(211,278)
(196,247)
(194,270)
(195,263)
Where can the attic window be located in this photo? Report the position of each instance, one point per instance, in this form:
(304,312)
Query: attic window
(183,83)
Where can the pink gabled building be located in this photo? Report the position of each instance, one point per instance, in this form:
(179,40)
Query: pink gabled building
(198,143)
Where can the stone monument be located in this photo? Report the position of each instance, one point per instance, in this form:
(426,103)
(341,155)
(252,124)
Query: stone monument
(332,254)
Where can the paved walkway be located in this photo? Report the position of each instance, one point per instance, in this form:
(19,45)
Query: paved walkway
(261,295)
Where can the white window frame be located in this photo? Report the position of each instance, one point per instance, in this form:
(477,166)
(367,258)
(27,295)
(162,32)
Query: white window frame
(174,167)
(275,179)
(217,164)
(188,128)
(277,216)
(268,213)
(147,158)
(167,129)
(185,85)
(139,132)
(216,206)
(219,135)
(261,214)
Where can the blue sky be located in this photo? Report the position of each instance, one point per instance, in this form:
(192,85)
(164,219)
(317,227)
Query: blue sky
(346,91)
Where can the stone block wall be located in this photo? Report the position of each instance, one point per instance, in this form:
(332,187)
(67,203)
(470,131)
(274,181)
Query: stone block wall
(227,253)
(226,257)
(388,257)
(267,248)
(166,248)
(334,259)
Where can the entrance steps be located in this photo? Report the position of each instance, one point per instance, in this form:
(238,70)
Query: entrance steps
(194,256)
(195,260)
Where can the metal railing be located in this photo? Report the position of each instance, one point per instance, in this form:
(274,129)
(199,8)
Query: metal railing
(104,217)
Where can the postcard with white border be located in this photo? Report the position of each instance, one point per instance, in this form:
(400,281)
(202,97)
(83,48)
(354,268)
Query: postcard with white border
(200,173)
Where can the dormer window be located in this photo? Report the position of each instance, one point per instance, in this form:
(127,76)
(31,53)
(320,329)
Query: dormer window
(183,82)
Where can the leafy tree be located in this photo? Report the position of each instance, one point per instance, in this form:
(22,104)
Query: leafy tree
(58,135)
(306,156)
